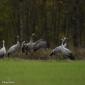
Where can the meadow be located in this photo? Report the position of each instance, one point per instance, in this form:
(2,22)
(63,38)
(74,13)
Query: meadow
(41,72)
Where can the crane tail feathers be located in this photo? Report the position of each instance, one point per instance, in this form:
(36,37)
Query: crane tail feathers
(72,57)
(51,53)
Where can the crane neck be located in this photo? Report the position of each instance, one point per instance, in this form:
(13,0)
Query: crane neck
(31,40)
(17,42)
(62,42)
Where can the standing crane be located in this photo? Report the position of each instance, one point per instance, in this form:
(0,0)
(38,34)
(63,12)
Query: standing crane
(28,46)
(3,50)
(62,49)
(13,49)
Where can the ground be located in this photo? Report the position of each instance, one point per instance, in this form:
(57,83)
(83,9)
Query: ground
(37,72)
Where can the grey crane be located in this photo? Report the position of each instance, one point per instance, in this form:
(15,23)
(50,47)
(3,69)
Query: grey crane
(62,49)
(3,50)
(40,44)
(27,46)
(13,49)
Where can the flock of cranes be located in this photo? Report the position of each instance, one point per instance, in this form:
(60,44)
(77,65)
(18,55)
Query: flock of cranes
(11,50)
(32,46)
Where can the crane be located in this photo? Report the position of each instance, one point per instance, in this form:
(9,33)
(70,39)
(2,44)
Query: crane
(14,48)
(3,50)
(62,49)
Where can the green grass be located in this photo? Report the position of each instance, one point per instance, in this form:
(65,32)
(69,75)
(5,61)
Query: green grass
(30,72)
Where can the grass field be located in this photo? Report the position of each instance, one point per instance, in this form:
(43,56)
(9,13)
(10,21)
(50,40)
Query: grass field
(31,72)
